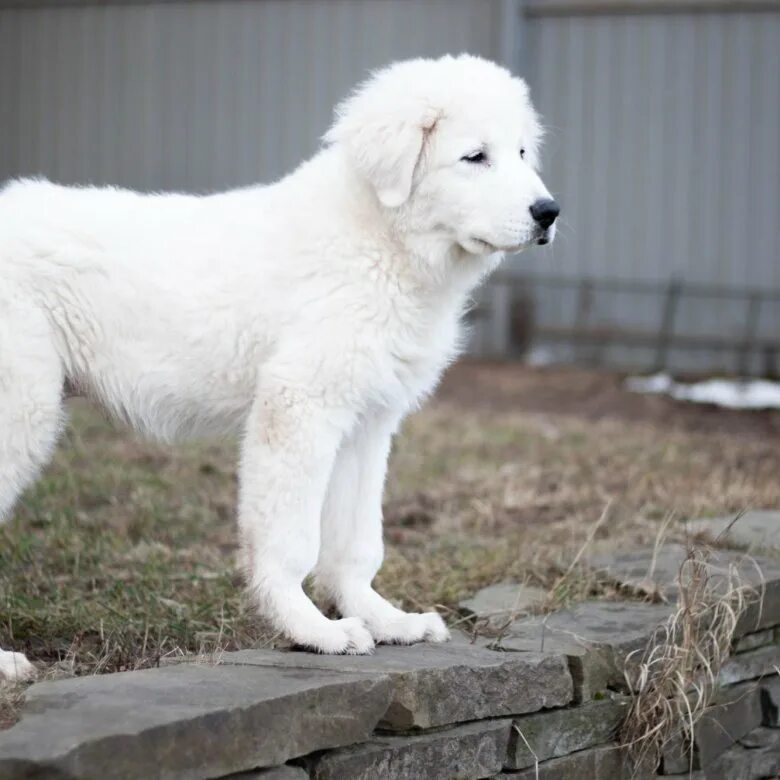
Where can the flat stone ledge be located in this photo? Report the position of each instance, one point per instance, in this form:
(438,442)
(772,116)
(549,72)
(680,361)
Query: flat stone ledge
(471,750)
(558,733)
(770,700)
(595,636)
(286,772)
(498,604)
(608,762)
(755,530)
(751,665)
(439,685)
(738,712)
(647,568)
(188,721)
(755,640)
(762,751)
(755,757)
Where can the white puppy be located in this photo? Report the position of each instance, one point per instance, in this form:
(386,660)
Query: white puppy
(308,316)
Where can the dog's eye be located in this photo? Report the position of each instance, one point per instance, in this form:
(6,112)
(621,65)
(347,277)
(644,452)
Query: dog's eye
(476,157)
(522,154)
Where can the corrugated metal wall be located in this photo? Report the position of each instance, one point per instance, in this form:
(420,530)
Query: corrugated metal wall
(664,146)
(201,95)
(663,142)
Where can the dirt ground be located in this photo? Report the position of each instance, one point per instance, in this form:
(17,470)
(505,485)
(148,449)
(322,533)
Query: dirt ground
(124,552)
(591,395)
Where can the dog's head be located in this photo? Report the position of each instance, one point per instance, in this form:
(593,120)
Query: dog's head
(452,146)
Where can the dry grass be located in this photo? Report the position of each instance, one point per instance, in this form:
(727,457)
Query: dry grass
(124,552)
(677,676)
(11,698)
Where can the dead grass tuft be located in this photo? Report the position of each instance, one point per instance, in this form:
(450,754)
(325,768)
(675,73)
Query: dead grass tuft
(11,698)
(677,674)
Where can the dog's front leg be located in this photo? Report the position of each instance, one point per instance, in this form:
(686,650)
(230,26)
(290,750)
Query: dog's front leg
(351,550)
(289,449)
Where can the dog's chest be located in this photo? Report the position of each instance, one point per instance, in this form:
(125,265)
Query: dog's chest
(417,344)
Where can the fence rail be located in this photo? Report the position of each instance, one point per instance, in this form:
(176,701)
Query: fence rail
(593,7)
(497,315)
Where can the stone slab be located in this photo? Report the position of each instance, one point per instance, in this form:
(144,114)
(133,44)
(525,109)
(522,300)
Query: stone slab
(286,772)
(471,750)
(755,530)
(770,700)
(738,712)
(595,636)
(755,640)
(608,762)
(756,757)
(504,602)
(438,685)
(557,733)
(188,721)
(750,665)
(647,569)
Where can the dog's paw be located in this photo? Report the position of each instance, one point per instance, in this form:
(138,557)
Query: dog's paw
(435,628)
(410,627)
(15,667)
(339,637)
(360,640)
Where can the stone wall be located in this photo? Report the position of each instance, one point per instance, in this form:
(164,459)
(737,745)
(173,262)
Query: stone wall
(546,703)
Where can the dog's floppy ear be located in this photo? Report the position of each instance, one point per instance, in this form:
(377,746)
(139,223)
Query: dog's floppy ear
(384,136)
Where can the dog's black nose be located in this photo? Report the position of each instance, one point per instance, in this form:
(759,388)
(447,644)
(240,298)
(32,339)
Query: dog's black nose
(545,212)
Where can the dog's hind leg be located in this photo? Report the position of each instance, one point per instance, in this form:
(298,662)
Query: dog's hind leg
(31,380)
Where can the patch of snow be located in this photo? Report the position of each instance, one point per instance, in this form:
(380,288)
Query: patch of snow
(756,394)
(726,393)
(657,383)
(540,356)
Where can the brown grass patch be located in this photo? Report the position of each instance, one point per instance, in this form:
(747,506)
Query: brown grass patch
(125,552)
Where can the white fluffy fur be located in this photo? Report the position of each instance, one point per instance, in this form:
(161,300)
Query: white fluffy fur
(308,316)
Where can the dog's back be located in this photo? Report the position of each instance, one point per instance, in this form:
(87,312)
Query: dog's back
(133,327)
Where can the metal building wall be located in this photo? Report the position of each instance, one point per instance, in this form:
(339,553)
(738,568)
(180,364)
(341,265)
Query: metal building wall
(663,117)
(200,95)
(664,148)
(664,140)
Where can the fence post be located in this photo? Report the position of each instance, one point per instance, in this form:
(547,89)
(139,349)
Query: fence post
(666,329)
(500,319)
(770,363)
(749,334)
(582,317)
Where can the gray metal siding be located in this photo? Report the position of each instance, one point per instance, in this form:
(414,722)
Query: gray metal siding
(202,95)
(663,121)
(663,143)
(664,149)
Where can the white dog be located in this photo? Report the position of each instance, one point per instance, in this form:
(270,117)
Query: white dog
(308,316)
